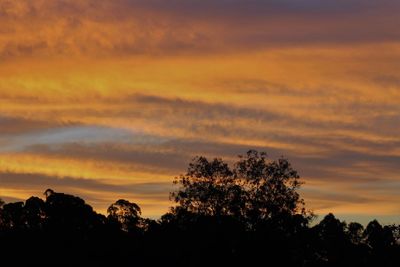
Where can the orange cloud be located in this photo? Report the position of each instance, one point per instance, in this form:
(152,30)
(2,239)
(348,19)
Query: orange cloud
(126,90)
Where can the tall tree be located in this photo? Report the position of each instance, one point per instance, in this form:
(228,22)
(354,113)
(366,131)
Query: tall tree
(126,214)
(254,190)
(70,212)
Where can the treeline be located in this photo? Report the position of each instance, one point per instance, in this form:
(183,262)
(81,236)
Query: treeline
(248,214)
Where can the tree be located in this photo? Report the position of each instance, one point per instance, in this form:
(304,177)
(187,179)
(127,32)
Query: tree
(23,216)
(379,237)
(125,214)
(271,187)
(209,188)
(254,190)
(355,232)
(12,216)
(332,244)
(331,230)
(65,211)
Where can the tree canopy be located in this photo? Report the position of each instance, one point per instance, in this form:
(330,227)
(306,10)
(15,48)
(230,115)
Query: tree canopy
(125,214)
(248,212)
(254,190)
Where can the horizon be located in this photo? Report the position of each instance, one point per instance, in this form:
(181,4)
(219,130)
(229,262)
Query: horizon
(346,218)
(112,99)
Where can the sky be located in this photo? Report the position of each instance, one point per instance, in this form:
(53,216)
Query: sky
(112,99)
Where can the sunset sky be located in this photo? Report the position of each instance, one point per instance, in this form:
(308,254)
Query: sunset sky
(112,99)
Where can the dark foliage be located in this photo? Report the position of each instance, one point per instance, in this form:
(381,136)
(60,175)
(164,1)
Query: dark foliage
(246,215)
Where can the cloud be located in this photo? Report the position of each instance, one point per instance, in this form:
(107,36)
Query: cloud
(38,181)
(15,125)
(129,91)
(387,81)
(17,133)
(120,28)
(150,157)
(172,156)
(196,125)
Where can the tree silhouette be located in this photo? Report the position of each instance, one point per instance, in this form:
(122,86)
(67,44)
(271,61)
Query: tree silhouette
(248,213)
(379,237)
(209,188)
(253,191)
(69,212)
(12,215)
(249,207)
(355,232)
(332,241)
(125,214)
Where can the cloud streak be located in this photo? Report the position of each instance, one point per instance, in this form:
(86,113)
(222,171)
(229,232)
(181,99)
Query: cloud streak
(60,28)
(115,97)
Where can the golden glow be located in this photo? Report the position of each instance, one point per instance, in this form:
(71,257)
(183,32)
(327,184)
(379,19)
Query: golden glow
(156,92)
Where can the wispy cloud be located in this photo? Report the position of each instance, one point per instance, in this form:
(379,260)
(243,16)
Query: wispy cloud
(61,28)
(99,97)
